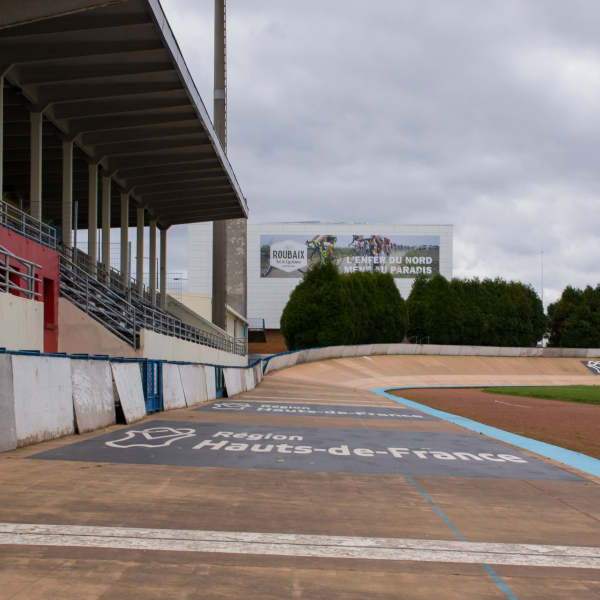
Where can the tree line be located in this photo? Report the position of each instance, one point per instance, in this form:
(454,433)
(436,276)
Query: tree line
(474,312)
(575,319)
(332,309)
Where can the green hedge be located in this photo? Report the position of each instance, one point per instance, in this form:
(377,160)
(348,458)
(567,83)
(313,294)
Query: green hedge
(575,319)
(330,309)
(475,313)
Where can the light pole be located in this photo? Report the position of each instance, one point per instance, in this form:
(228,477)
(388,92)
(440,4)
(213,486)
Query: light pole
(542,279)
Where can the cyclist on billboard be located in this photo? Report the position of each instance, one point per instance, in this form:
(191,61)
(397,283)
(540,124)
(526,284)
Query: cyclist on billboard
(330,239)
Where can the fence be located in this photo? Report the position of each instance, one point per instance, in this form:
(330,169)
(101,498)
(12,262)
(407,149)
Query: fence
(19,221)
(256,323)
(23,270)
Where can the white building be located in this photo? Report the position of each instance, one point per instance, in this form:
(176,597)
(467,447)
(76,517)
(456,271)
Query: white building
(274,272)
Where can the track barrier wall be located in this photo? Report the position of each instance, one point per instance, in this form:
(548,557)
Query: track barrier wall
(173,395)
(288,359)
(43,398)
(47,396)
(93,395)
(211,383)
(128,383)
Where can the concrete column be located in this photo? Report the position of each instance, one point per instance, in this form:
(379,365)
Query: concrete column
(237,265)
(229,237)
(153,261)
(139,268)
(125,238)
(219,278)
(1,136)
(35,179)
(106,225)
(93,214)
(163,268)
(67,194)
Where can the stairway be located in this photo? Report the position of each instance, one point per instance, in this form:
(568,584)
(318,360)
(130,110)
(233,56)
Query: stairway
(123,311)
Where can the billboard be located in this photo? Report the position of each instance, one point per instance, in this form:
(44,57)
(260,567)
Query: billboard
(403,256)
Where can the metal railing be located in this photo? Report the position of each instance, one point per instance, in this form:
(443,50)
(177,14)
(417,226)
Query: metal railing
(419,341)
(125,317)
(98,301)
(114,278)
(256,323)
(9,275)
(26,225)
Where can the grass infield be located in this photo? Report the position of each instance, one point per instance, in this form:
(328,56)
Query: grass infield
(583,394)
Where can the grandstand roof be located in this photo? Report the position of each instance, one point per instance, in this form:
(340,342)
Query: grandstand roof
(110,77)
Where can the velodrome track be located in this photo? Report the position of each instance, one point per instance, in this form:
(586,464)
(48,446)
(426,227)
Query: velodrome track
(309,486)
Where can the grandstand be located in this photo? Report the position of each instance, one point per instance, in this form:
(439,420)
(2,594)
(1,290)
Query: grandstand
(102,126)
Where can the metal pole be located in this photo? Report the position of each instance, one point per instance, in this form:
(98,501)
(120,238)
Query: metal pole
(129,277)
(74,257)
(542,279)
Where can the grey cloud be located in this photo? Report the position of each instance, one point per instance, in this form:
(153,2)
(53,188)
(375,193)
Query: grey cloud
(483,115)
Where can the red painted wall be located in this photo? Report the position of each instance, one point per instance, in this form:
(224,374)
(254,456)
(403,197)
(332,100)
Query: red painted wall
(49,274)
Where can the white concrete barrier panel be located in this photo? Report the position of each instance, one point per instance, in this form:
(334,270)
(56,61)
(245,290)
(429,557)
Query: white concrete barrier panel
(323,353)
(396,349)
(364,350)
(93,395)
(128,381)
(188,382)
(173,395)
(258,373)
(43,398)
(8,427)
(250,383)
(313,354)
(337,352)
(211,383)
(200,382)
(243,379)
(233,381)
(271,365)
(489,350)
(379,349)
(509,352)
(449,350)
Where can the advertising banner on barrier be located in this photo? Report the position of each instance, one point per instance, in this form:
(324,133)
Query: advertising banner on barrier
(403,256)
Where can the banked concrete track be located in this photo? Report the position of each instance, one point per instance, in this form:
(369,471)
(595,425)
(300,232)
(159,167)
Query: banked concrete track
(309,486)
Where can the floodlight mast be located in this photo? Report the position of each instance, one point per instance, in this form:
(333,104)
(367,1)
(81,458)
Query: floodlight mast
(219,275)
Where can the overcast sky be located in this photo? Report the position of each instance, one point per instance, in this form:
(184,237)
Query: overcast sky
(481,115)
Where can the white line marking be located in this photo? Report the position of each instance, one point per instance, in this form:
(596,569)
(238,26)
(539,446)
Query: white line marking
(310,400)
(278,544)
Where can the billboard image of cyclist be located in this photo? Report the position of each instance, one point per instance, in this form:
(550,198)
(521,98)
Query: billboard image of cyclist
(402,256)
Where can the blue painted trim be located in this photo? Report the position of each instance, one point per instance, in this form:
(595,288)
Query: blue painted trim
(584,463)
(444,518)
(497,579)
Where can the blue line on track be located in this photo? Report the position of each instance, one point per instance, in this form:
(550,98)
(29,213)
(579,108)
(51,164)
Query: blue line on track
(497,579)
(584,463)
(446,520)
